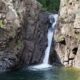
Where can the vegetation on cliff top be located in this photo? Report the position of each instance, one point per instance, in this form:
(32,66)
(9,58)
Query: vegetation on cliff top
(50,5)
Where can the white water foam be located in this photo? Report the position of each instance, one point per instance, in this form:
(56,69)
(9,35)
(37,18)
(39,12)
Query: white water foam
(51,30)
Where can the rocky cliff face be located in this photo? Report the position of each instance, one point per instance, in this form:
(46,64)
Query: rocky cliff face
(35,30)
(67,35)
(23,33)
(11,44)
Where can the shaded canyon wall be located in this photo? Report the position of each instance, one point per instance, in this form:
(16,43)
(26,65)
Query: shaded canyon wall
(23,33)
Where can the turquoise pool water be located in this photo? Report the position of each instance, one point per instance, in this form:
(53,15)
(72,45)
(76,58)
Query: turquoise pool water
(52,74)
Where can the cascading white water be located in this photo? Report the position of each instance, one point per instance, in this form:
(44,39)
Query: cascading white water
(50,36)
(47,51)
(53,20)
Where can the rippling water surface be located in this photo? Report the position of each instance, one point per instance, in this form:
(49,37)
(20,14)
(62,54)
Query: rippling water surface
(52,74)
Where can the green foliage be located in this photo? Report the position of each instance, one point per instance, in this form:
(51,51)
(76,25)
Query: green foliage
(1,24)
(50,5)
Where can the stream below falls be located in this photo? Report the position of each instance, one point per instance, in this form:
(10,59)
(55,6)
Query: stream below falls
(51,74)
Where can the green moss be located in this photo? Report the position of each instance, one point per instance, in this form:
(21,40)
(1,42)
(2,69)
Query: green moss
(19,44)
(1,24)
(59,38)
(77,36)
(50,5)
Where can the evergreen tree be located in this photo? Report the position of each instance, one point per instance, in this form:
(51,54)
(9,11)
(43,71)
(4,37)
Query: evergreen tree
(50,5)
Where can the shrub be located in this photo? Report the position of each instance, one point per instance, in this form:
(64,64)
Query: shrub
(50,5)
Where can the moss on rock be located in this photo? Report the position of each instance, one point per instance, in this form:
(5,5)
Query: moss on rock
(1,24)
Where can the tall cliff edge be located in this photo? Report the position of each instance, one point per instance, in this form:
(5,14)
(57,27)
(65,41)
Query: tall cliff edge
(67,35)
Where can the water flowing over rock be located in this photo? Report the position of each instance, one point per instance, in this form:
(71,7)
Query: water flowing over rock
(67,35)
(45,64)
(23,33)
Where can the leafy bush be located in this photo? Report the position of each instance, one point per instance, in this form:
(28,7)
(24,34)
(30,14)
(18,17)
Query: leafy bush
(50,5)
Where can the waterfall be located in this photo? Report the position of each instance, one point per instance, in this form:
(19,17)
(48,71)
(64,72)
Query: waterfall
(53,20)
(47,51)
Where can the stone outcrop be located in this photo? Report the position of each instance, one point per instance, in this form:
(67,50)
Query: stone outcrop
(23,33)
(11,44)
(67,35)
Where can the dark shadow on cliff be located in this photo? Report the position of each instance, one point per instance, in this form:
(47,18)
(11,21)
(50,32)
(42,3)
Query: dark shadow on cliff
(35,38)
(54,58)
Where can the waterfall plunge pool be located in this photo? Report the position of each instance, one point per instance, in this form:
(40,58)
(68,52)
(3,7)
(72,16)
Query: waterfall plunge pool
(56,73)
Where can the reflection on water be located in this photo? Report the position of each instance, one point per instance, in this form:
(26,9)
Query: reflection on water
(53,74)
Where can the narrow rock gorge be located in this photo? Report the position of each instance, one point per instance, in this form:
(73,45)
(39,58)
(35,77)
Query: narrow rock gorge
(24,26)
